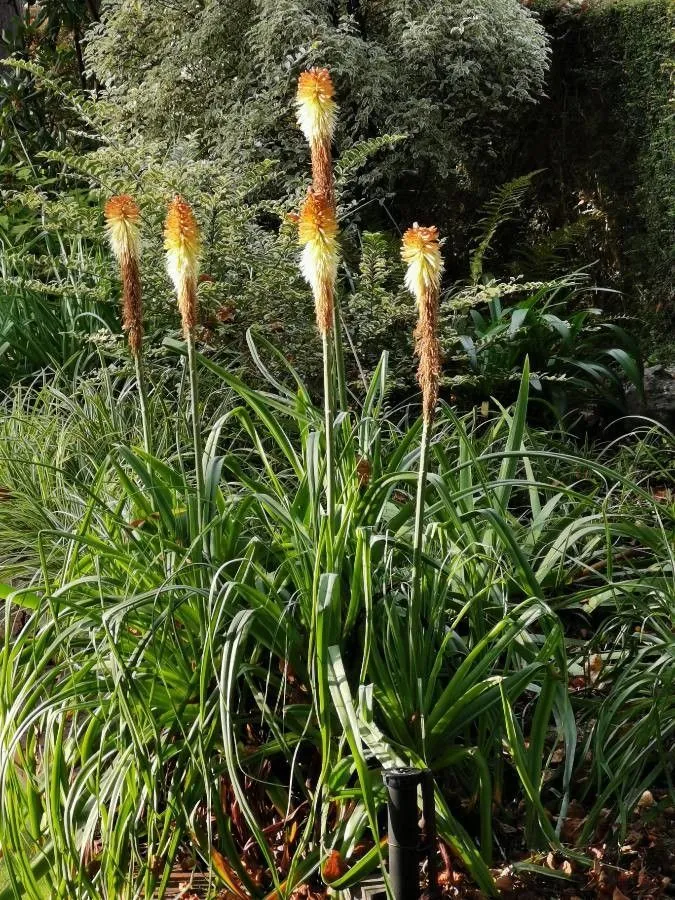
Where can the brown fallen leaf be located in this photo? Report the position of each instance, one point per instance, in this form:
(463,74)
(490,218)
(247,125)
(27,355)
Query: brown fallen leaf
(363,470)
(505,881)
(571,829)
(558,754)
(595,666)
(226,312)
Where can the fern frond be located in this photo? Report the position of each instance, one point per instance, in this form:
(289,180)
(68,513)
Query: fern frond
(550,253)
(359,154)
(500,208)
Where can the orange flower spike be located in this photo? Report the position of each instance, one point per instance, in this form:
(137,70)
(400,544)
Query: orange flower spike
(182,245)
(316,108)
(316,113)
(317,232)
(421,251)
(121,216)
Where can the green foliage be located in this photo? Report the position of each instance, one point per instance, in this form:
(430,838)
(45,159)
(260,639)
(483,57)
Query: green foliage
(55,284)
(32,118)
(378,312)
(52,447)
(183,699)
(579,355)
(501,207)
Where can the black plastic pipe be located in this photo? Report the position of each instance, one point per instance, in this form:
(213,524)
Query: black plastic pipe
(405,849)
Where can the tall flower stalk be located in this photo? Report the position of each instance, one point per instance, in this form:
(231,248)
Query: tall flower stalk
(317,116)
(122,216)
(421,251)
(182,245)
(317,233)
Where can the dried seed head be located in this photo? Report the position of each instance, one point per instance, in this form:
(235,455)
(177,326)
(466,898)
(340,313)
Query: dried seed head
(317,232)
(121,215)
(182,245)
(422,252)
(428,351)
(322,172)
(316,108)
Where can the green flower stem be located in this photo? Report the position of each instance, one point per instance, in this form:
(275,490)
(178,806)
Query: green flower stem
(142,383)
(414,624)
(339,355)
(330,451)
(196,425)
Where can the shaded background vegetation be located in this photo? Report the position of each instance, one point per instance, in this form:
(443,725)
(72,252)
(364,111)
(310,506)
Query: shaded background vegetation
(438,109)
(605,136)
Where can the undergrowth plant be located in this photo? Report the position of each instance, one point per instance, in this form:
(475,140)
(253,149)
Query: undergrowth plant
(223,642)
(580,356)
(54,283)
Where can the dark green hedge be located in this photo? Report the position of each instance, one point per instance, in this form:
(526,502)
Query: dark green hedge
(605,135)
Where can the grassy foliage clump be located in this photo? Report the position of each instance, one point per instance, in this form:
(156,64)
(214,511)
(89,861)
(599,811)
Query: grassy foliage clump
(198,685)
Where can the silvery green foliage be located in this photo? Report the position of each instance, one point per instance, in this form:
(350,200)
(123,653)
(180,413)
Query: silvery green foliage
(448,73)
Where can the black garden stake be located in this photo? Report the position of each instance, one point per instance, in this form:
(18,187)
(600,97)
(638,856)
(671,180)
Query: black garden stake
(405,848)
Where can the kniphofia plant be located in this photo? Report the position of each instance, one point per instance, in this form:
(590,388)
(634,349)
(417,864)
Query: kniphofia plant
(122,215)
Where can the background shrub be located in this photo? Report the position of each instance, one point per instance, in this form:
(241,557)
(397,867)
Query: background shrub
(450,75)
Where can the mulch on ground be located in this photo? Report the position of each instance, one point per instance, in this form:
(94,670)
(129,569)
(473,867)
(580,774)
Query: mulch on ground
(639,867)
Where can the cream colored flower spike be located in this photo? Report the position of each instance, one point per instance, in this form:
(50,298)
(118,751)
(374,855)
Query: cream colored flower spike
(317,232)
(421,251)
(316,108)
(121,216)
(182,245)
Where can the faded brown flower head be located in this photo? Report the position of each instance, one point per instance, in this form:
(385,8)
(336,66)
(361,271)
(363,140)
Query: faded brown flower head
(182,245)
(317,232)
(121,216)
(421,251)
(334,866)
